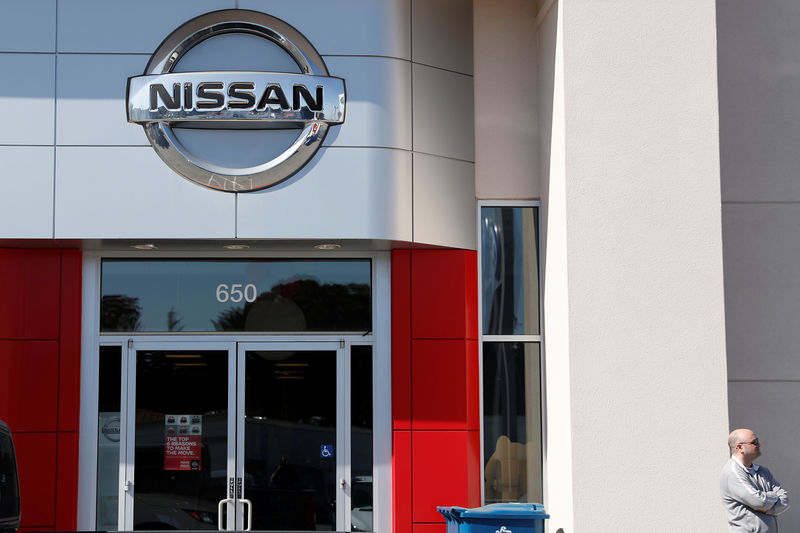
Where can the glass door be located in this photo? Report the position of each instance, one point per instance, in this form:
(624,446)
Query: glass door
(290,441)
(226,437)
(180,420)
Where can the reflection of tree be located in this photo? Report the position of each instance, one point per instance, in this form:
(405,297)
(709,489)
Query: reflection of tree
(302,305)
(231,319)
(174,320)
(120,313)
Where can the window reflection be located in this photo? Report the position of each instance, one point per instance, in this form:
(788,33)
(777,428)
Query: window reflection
(361,437)
(180,395)
(509,262)
(108,437)
(253,295)
(290,439)
(512,422)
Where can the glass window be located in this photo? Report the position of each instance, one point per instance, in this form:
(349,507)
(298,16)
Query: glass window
(510,270)
(511,351)
(253,295)
(181,438)
(108,436)
(361,436)
(512,422)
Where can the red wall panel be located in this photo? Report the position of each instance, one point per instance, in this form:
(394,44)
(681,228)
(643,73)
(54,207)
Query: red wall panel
(40,317)
(401,482)
(29,389)
(401,339)
(444,474)
(471,294)
(445,376)
(70,341)
(36,458)
(67,482)
(430,528)
(439,294)
(29,283)
(444,294)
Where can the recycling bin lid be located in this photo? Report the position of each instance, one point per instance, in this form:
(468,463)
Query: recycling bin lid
(497,510)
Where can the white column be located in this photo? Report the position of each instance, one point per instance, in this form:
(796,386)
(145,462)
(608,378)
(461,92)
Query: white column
(633,282)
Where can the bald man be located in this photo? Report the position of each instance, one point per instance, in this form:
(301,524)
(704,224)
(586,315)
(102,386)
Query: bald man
(751,496)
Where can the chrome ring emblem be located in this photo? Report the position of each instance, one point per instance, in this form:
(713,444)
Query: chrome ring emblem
(161,100)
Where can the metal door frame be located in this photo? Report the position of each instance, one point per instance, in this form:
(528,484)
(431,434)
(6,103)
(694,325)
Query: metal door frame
(236,498)
(92,340)
(342,421)
(127,489)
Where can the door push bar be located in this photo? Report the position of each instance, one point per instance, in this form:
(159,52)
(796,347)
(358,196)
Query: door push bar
(244,501)
(249,513)
(219,512)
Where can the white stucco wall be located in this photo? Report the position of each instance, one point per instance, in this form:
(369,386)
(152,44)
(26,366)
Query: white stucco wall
(634,321)
(560,481)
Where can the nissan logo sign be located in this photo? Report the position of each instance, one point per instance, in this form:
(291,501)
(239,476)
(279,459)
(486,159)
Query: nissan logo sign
(162,100)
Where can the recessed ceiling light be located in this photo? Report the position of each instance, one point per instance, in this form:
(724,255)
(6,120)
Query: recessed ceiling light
(236,246)
(327,246)
(148,246)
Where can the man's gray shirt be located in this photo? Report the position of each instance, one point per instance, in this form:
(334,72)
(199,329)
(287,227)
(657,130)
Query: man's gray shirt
(752,498)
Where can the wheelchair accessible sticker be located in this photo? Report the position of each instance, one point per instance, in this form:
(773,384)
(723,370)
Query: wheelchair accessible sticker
(326,451)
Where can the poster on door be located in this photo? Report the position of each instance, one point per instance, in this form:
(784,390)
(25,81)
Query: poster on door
(183,440)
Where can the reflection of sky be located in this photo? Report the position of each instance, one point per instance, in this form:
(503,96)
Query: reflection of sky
(190,286)
(500,244)
(508,241)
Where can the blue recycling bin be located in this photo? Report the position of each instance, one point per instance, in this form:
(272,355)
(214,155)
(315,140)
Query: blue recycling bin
(496,518)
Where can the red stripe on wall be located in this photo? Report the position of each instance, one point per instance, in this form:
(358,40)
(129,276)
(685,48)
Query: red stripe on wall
(70,342)
(437,289)
(40,317)
(401,339)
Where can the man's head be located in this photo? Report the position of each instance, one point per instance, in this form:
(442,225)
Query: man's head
(744,445)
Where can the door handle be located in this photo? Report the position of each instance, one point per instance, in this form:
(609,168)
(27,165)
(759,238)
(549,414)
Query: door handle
(219,512)
(249,513)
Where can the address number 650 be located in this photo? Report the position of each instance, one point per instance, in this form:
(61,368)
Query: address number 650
(236,292)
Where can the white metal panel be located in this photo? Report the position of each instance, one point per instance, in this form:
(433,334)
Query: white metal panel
(443,113)
(27,98)
(346,27)
(26,204)
(128,192)
(343,193)
(91,99)
(378,102)
(136,27)
(508,137)
(444,202)
(90,370)
(28,26)
(442,34)
(382,394)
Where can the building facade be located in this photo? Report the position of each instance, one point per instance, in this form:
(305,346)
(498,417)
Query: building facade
(327,265)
